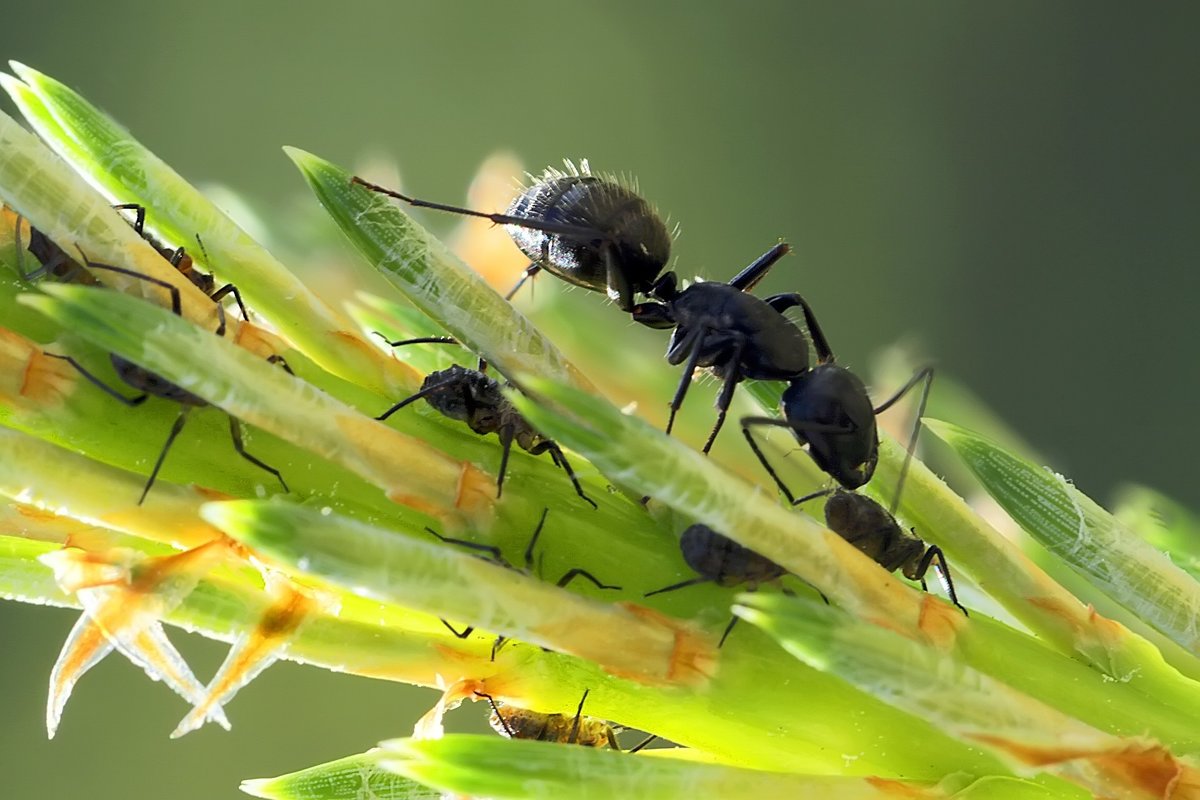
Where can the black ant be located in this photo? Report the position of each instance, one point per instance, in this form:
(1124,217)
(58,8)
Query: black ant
(494,555)
(828,409)
(720,560)
(520,723)
(150,383)
(587,229)
(872,529)
(724,327)
(470,396)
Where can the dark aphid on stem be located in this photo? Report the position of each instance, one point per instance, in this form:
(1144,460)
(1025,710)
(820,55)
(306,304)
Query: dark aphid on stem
(725,328)
(868,526)
(150,383)
(492,553)
(470,396)
(720,560)
(520,723)
(53,261)
(182,261)
(828,409)
(589,230)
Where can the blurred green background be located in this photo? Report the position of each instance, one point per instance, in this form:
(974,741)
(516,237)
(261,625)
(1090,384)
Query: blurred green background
(1010,186)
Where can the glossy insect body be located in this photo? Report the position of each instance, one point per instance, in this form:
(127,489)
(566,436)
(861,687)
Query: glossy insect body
(723,561)
(868,526)
(589,230)
(720,560)
(472,397)
(723,327)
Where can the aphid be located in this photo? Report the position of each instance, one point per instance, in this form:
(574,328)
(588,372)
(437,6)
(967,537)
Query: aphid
(520,723)
(470,396)
(720,560)
(182,261)
(724,327)
(493,554)
(828,409)
(589,230)
(53,261)
(872,529)
(150,383)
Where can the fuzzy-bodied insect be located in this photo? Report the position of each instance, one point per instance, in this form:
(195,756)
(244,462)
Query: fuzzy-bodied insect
(872,529)
(150,383)
(828,409)
(520,723)
(470,396)
(724,327)
(720,560)
(590,230)
(493,554)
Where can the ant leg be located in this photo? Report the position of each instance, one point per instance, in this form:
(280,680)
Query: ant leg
(420,340)
(530,271)
(680,585)
(726,395)
(923,375)
(560,460)
(162,456)
(176,303)
(748,422)
(499,716)
(139,224)
(424,392)
(498,219)
(490,549)
(99,384)
(782,302)
(749,277)
(574,737)
(685,380)
(235,432)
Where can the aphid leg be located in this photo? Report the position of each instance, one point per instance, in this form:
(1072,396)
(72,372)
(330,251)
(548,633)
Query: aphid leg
(506,435)
(685,380)
(728,629)
(464,633)
(99,384)
(162,455)
(235,432)
(424,392)
(643,743)
(490,549)
(230,289)
(530,271)
(680,585)
(576,572)
(937,558)
(419,340)
(499,716)
(925,375)
(782,302)
(574,737)
(139,222)
(533,540)
(498,219)
(280,361)
(611,736)
(560,460)
(496,645)
(749,277)
(617,282)
(176,303)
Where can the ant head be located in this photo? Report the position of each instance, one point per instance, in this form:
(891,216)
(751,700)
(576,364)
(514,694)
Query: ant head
(666,288)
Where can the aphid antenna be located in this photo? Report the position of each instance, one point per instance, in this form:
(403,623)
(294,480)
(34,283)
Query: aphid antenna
(499,716)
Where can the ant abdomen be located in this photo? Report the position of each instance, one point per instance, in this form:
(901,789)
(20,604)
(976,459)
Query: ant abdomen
(616,229)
